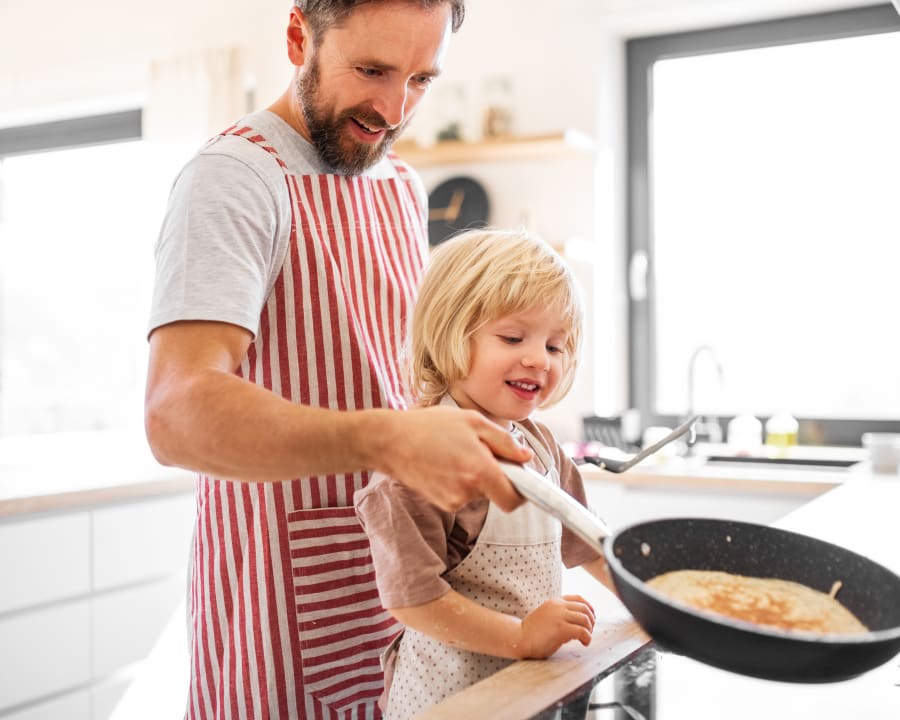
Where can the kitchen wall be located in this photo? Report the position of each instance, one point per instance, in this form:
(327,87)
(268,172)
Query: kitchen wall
(197,64)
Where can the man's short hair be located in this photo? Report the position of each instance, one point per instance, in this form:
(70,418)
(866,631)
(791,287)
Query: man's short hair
(324,14)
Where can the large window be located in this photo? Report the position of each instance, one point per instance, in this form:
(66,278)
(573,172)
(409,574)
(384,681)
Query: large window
(80,207)
(764,222)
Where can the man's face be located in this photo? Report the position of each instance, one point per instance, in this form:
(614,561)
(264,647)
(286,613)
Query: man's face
(359,87)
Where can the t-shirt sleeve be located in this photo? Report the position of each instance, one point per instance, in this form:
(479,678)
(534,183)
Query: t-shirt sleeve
(408,539)
(219,247)
(574,550)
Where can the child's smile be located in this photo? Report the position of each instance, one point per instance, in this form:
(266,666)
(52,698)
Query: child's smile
(517,362)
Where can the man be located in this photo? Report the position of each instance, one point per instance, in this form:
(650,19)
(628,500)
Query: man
(286,269)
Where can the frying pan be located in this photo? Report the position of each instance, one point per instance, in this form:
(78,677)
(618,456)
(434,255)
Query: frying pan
(870,591)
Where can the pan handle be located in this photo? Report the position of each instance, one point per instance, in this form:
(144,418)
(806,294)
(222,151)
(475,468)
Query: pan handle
(554,500)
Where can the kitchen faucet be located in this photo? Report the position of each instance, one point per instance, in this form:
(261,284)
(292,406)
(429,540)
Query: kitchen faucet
(707,426)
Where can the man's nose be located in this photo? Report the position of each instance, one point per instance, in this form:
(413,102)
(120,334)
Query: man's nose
(391,104)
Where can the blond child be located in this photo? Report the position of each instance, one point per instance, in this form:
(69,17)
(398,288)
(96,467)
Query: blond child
(497,330)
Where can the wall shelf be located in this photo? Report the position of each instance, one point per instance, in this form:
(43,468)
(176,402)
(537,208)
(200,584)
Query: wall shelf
(555,145)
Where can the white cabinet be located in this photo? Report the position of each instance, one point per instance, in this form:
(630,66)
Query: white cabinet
(83,598)
(44,559)
(141,540)
(74,706)
(44,651)
(127,623)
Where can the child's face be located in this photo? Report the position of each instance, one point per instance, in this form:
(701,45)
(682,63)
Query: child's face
(516,364)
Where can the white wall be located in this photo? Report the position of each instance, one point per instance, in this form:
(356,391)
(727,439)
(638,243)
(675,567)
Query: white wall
(564,58)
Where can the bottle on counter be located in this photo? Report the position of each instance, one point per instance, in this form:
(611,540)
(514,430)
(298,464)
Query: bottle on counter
(781,433)
(745,435)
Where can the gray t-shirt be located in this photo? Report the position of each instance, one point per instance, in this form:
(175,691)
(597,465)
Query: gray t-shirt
(227,227)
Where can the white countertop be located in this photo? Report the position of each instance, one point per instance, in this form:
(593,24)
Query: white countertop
(695,472)
(51,472)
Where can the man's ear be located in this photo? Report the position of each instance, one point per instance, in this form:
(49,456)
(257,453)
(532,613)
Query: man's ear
(299,37)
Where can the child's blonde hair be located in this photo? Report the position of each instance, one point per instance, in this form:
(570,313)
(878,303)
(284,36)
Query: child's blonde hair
(475,278)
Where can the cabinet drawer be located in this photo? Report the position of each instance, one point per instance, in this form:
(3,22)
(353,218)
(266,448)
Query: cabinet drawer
(43,652)
(44,559)
(127,623)
(142,540)
(106,696)
(76,706)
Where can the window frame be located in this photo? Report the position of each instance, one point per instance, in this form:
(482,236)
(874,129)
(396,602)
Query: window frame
(641,54)
(103,129)
(99,129)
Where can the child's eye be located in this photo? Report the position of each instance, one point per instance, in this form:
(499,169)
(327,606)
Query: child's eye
(554,349)
(510,339)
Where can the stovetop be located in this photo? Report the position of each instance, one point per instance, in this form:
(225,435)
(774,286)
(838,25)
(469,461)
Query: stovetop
(657,685)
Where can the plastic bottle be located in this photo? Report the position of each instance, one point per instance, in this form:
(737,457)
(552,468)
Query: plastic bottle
(781,432)
(745,435)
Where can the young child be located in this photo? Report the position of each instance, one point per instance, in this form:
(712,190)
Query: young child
(496,329)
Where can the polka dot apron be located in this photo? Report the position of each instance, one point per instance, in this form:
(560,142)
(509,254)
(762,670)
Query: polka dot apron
(514,566)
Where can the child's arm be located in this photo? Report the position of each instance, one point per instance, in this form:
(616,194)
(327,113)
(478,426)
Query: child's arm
(458,621)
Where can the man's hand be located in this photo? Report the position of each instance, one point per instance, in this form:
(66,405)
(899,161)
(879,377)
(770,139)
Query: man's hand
(555,622)
(447,455)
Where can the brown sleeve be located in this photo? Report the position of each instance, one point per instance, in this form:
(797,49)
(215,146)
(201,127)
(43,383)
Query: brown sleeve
(574,550)
(408,538)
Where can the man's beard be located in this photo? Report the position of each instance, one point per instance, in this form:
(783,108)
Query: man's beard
(328,133)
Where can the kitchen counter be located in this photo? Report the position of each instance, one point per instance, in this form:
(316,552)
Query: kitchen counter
(850,507)
(696,473)
(857,510)
(50,472)
(44,473)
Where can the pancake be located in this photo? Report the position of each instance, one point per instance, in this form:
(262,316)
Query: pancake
(770,602)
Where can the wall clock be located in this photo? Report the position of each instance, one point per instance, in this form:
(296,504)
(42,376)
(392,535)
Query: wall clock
(456,204)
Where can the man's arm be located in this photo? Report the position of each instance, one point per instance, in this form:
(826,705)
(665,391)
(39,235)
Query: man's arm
(200,416)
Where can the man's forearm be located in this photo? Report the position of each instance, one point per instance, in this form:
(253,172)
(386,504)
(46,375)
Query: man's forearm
(220,424)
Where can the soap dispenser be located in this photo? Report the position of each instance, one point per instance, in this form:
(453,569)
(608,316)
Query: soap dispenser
(781,433)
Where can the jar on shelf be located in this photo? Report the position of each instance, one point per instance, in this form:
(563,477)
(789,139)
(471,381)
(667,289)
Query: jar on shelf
(498,116)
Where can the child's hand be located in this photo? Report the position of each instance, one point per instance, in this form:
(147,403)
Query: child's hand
(555,622)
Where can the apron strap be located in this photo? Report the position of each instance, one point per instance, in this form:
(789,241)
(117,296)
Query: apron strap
(248,133)
(539,449)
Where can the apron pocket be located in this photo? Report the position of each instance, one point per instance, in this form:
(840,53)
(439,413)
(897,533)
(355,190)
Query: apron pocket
(343,628)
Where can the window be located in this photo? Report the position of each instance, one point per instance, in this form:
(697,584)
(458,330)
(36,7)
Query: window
(80,208)
(764,169)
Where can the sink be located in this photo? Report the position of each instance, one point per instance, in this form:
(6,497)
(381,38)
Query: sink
(813,463)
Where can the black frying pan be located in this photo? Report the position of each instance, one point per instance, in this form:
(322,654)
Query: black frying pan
(870,591)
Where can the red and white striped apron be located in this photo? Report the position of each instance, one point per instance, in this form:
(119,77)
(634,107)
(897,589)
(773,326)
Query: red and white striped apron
(284,610)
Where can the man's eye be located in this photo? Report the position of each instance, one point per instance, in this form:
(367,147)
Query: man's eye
(423,81)
(369,72)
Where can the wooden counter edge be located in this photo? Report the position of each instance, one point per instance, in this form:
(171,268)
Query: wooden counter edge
(525,687)
(90,497)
